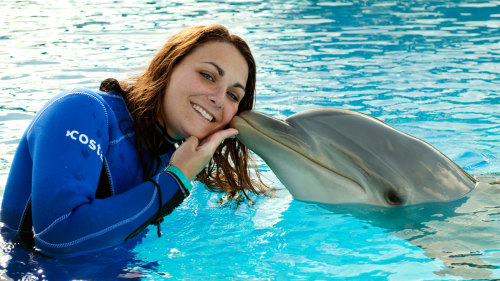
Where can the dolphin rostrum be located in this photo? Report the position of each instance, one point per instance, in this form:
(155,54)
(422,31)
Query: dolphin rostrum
(331,155)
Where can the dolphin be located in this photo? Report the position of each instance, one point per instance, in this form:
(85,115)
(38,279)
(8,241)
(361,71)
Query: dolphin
(332,155)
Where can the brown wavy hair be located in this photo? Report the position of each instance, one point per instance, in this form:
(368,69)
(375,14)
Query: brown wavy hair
(231,165)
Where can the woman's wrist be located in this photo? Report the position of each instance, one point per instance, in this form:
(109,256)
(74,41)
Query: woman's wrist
(180,175)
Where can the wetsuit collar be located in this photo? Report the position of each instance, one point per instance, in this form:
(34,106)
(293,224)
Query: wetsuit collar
(165,136)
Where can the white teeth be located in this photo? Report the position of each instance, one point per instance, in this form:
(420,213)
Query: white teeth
(203,112)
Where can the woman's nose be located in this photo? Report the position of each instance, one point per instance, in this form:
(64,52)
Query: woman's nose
(217,97)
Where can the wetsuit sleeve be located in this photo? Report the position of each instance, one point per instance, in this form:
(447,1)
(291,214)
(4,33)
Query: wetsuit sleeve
(180,175)
(67,142)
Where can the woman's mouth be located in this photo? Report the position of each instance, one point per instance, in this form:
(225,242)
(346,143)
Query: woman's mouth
(203,112)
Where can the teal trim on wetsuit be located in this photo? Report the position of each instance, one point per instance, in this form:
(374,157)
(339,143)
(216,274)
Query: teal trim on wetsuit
(57,169)
(184,180)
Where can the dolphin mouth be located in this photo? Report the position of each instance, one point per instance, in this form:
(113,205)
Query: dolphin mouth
(284,126)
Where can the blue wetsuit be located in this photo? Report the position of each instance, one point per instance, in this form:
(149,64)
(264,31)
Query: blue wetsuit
(76,184)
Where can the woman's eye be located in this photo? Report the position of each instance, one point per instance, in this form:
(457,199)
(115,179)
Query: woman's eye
(207,76)
(233,96)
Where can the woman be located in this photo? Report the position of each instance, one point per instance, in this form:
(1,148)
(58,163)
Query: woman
(94,169)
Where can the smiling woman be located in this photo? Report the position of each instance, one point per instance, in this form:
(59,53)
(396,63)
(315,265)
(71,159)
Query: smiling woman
(216,72)
(210,52)
(95,168)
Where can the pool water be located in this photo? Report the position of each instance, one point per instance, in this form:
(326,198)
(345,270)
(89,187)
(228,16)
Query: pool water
(428,68)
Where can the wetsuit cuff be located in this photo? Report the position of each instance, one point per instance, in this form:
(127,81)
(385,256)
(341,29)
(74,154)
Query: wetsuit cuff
(180,175)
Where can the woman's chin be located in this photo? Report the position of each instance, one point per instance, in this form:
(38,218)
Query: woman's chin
(199,135)
(202,134)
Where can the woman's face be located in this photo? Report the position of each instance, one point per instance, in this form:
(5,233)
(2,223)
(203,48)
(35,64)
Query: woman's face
(204,91)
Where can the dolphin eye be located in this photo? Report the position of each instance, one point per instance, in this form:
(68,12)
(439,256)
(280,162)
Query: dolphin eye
(393,198)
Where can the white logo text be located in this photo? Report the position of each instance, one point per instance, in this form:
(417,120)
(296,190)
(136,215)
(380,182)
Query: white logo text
(84,139)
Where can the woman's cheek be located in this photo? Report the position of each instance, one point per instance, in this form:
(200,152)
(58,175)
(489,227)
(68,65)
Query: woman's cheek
(230,116)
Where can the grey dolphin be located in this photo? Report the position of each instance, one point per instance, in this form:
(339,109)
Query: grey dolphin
(331,155)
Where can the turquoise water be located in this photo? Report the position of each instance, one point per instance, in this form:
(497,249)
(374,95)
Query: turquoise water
(428,68)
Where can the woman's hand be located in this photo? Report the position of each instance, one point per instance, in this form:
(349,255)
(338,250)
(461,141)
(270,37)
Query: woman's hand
(192,156)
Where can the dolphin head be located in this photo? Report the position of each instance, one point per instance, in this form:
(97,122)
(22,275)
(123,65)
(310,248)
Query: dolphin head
(340,156)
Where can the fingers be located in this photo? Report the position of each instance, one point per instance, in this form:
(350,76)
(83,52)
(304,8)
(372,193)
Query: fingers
(227,133)
(213,141)
(192,142)
(185,149)
(192,156)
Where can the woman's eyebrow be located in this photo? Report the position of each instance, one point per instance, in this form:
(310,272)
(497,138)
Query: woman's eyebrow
(221,73)
(219,69)
(238,85)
